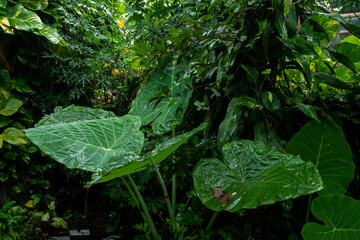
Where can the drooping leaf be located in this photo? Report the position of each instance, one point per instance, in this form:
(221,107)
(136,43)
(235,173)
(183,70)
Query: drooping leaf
(51,34)
(9,106)
(15,136)
(308,110)
(330,80)
(324,145)
(253,175)
(86,144)
(270,101)
(340,215)
(344,60)
(162,111)
(120,166)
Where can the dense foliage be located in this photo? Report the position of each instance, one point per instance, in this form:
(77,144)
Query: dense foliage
(196,119)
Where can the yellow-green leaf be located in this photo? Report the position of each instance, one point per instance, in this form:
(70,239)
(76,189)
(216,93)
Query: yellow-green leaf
(15,136)
(23,19)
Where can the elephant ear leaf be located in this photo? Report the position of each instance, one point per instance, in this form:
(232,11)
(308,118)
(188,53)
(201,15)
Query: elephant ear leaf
(119,166)
(250,175)
(78,142)
(324,145)
(163,101)
(340,215)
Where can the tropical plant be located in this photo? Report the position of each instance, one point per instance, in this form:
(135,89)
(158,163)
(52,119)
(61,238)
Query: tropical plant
(256,72)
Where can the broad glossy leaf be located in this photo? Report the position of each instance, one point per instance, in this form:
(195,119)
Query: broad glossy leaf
(255,175)
(349,47)
(74,113)
(162,111)
(270,101)
(51,34)
(340,215)
(15,136)
(324,145)
(9,106)
(23,19)
(330,80)
(291,22)
(281,26)
(120,166)
(87,144)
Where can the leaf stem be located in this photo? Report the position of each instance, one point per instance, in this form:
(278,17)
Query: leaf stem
(173,194)
(166,195)
(308,209)
(135,198)
(211,222)
(145,209)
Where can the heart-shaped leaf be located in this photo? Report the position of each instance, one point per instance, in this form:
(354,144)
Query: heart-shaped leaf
(250,175)
(86,144)
(324,145)
(124,165)
(341,217)
(158,108)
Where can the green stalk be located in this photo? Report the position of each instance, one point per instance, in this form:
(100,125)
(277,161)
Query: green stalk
(211,222)
(145,209)
(308,209)
(173,194)
(135,198)
(166,195)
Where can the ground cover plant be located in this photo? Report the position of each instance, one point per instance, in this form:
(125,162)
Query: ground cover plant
(198,119)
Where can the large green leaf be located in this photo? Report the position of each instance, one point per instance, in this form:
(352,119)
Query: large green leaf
(163,101)
(87,144)
(341,217)
(74,113)
(124,165)
(253,175)
(9,106)
(350,47)
(324,145)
